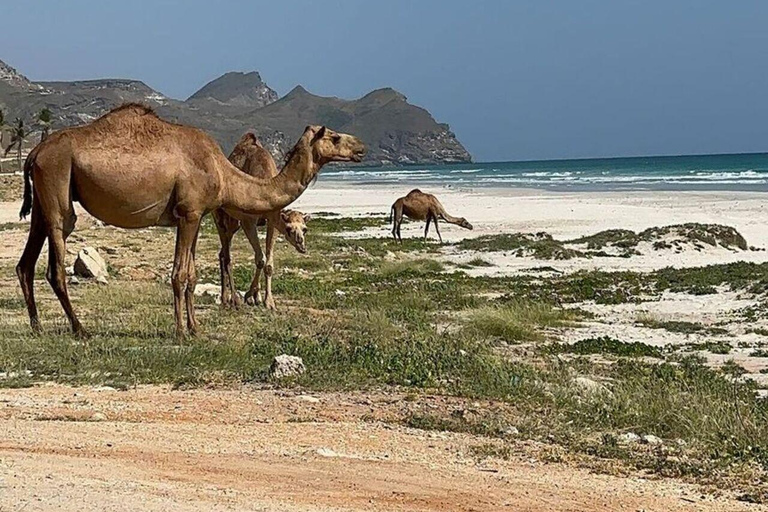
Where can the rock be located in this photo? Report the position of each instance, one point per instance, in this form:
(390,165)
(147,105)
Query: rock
(651,440)
(628,438)
(511,432)
(90,264)
(591,387)
(340,293)
(286,366)
(74,280)
(97,416)
(327,452)
(101,280)
(308,399)
(70,271)
(390,256)
(209,290)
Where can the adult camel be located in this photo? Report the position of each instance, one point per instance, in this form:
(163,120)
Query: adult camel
(420,206)
(250,157)
(131,169)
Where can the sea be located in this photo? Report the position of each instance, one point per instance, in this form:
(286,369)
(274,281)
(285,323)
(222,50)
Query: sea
(747,172)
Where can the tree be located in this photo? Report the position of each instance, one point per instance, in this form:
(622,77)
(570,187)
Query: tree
(18,133)
(2,134)
(44,118)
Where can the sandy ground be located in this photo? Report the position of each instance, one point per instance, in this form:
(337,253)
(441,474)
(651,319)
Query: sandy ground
(150,448)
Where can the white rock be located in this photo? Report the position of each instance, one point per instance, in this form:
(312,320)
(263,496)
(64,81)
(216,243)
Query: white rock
(209,290)
(286,366)
(628,438)
(511,432)
(340,293)
(70,271)
(651,440)
(327,452)
(90,264)
(308,399)
(97,416)
(74,280)
(101,280)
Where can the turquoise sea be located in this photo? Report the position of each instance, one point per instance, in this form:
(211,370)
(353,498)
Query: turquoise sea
(699,172)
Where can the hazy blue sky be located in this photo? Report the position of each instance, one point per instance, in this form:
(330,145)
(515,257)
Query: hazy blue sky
(515,79)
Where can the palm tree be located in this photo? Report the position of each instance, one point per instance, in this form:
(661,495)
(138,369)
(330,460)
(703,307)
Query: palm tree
(2,134)
(18,133)
(44,118)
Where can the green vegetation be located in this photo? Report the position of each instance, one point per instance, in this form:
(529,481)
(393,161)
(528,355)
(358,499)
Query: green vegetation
(369,312)
(606,345)
(516,321)
(680,326)
(540,246)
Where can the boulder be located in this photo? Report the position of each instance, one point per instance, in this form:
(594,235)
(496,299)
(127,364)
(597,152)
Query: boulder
(90,264)
(286,366)
(209,290)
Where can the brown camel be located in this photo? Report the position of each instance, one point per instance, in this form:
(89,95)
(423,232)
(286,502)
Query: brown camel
(131,169)
(420,206)
(250,157)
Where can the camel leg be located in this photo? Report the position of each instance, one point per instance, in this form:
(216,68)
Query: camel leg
(437,229)
(56,274)
(186,234)
(426,229)
(189,292)
(269,301)
(226,226)
(25,270)
(253,296)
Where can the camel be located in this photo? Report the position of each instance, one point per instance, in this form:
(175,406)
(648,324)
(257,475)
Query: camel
(250,157)
(420,206)
(131,169)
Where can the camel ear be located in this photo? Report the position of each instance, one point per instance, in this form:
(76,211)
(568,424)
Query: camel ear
(307,217)
(319,135)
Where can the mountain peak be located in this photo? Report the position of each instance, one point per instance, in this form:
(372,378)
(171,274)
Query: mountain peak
(12,77)
(237,88)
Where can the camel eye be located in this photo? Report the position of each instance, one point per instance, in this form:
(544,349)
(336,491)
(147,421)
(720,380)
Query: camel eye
(336,139)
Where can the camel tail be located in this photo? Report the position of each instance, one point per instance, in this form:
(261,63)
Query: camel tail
(26,205)
(391,214)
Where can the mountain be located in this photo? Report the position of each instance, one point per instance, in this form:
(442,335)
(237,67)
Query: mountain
(394,130)
(236,89)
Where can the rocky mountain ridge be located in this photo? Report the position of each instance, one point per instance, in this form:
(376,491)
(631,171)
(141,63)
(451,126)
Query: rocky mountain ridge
(395,131)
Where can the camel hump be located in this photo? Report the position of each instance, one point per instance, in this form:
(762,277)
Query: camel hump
(132,108)
(415,191)
(249,139)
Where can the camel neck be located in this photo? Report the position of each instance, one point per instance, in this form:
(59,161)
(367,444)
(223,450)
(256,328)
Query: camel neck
(447,217)
(256,196)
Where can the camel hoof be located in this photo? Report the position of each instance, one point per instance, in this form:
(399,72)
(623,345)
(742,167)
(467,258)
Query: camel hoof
(270,304)
(253,299)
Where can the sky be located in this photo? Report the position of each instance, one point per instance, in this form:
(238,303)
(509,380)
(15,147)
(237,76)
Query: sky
(515,79)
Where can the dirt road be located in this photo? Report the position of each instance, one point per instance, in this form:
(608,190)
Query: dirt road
(86,449)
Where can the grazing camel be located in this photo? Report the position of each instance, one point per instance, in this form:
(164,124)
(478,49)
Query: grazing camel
(131,169)
(420,206)
(250,157)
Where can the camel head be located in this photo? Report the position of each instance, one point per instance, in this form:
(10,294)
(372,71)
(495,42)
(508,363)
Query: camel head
(330,146)
(464,223)
(295,228)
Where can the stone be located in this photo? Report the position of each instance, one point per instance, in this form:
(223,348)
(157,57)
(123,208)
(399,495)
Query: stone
(101,280)
(309,399)
(90,264)
(209,290)
(98,417)
(74,280)
(628,438)
(511,432)
(651,440)
(286,366)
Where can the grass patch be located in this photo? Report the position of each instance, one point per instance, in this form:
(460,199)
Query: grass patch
(517,321)
(539,245)
(606,345)
(680,326)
